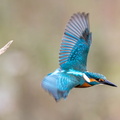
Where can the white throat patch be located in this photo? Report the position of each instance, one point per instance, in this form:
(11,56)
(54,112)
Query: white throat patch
(86,78)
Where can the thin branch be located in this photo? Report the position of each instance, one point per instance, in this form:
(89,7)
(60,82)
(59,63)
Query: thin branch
(3,49)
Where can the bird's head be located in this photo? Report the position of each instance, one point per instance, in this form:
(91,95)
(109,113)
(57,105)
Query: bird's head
(96,78)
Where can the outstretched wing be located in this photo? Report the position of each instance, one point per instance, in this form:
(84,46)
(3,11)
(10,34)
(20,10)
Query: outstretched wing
(75,43)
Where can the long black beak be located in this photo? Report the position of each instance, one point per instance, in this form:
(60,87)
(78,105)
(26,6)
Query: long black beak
(106,82)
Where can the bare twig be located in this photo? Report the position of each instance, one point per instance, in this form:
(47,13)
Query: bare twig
(3,49)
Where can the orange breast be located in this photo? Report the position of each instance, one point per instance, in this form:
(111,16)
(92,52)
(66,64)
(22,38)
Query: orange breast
(83,85)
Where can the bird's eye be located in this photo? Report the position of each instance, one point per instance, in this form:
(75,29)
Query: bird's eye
(100,80)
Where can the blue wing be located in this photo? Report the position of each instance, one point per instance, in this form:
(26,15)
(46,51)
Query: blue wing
(75,43)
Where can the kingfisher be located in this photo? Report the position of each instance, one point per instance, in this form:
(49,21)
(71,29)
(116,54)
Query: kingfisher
(72,71)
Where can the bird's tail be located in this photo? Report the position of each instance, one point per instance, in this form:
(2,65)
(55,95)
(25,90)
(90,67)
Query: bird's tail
(50,84)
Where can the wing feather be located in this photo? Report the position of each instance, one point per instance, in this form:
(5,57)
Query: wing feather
(75,43)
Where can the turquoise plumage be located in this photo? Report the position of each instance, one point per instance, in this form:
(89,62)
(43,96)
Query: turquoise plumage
(73,54)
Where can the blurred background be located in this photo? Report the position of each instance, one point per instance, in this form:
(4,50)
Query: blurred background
(37,26)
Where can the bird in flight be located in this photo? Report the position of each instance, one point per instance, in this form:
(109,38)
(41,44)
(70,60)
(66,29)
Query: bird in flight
(74,49)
